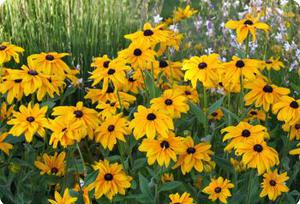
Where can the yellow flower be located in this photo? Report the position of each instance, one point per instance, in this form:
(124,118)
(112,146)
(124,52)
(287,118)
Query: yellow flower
(135,82)
(171,70)
(51,165)
(139,54)
(4,146)
(49,63)
(86,116)
(149,34)
(293,129)
(263,94)
(189,92)
(272,63)
(295,151)
(194,156)
(181,199)
(167,177)
(274,184)
(256,114)
(238,67)
(5,111)
(257,154)
(244,26)
(65,199)
(171,102)
(150,122)
(115,73)
(110,181)
(111,129)
(101,62)
(239,166)
(174,41)
(8,51)
(12,87)
(216,115)
(29,121)
(64,132)
(219,189)
(162,150)
(183,13)
(287,109)
(202,68)
(243,132)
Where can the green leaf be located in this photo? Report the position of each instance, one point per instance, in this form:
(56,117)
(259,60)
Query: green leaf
(144,186)
(170,186)
(197,111)
(216,105)
(224,164)
(90,178)
(150,85)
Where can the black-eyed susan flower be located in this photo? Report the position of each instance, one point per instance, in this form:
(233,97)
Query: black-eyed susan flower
(183,13)
(263,93)
(115,74)
(65,199)
(174,41)
(274,184)
(167,177)
(5,111)
(238,166)
(241,133)
(29,121)
(219,189)
(172,102)
(101,62)
(139,55)
(12,88)
(8,51)
(295,151)
(171,70)
(112,129)
(194,156)
(189,92)
(255,114)
(110,181)
(51,165)
(287,109)
(5,146)
(257,154)
(151,122)
(273,63)
(149,34)
(162,149)
(185,198)
(238,67)
(64,132)
(86,116)
(202,68)
(245,26)
(135,82)
(49,63)
(216,115)
(293,129)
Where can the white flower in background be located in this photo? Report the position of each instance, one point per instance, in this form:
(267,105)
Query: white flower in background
(209,51)
(157,19)
(284,2)
(298,54)
(198,23)
(1,2)
(298,2)
(78,67)
(174,28)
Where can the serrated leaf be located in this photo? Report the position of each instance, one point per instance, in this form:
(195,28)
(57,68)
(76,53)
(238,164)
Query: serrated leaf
(197,111)
(170,186)
(216,105)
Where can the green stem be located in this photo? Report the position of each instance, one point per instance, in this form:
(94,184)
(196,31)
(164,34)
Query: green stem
(82,160)
(205,111)
(251,176)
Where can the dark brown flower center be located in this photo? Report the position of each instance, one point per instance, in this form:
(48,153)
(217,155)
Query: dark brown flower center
(110,89)
(268,89)
(240,64)
(78,113)
(54,170)
(297,126)
(246,133)
(253,113)
(111,128)
(191,150)
(202,65)
(18,81)
(168,102)
(106,64)
(137,52)
(30,119)
(294,104)
(32,72)
(248,22)
(2,47)
(148,32)
(108,177)
(187,92)
(268,61)
(164,144)
(111,71)
(151,116)
(218,189)
(163,64)
(49,57)
(221,84)
(273,183)
(214,114)
(258,148)
(130,79)
(64,129)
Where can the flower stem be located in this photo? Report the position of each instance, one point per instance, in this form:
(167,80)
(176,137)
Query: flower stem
(205,111)
(82,160)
